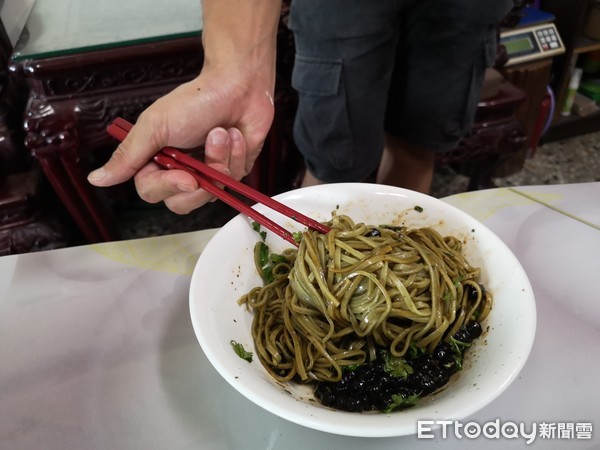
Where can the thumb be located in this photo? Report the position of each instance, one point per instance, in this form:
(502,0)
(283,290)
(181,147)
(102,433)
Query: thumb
(130,156)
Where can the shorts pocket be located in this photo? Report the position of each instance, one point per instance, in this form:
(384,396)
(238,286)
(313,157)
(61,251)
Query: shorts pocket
(316,76)
(322,128)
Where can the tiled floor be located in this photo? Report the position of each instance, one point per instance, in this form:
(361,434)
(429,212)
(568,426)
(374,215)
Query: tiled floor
(569,161)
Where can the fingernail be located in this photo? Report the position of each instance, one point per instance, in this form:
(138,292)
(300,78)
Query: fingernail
(186,187)
(236,135)
(218,137)
(97,175)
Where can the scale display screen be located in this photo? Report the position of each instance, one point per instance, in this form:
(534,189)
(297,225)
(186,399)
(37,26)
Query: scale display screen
(518,45)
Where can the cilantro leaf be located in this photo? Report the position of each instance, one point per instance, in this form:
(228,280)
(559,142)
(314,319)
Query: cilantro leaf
(400,401)
(266,261)
(263,254)
(240,351)
(414,351)
(276,259)
(458,349)
(396,366)
(256,227)
(267,274)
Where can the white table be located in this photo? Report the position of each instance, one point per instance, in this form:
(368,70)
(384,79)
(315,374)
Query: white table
(97,350)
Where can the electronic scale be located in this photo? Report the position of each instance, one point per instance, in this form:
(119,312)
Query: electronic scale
(531,43)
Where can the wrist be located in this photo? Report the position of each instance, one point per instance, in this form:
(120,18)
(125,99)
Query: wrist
(241,35)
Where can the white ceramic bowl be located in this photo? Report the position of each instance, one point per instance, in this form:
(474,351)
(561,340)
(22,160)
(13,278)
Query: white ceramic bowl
(225,271)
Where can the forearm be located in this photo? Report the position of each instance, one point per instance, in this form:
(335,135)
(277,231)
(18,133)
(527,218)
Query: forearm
(240,34)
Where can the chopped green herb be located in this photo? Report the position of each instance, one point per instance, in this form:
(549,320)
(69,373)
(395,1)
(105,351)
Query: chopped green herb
(399,401)
(297,236)
(351,367)
(267,274)
(240,351)
(418,208)
(458,348)
(267,261)
(396,366)
(263,254)
(256,227)
(414,351)
(276,259)
(448,296)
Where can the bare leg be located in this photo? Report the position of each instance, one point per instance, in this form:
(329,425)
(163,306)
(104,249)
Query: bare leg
(310,180)
(402,164)
(406,165)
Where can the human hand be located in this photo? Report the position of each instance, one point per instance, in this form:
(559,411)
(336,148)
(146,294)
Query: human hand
(238,110)
(225,149)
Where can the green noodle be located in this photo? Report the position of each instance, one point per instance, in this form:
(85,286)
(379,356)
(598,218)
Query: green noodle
(341,296)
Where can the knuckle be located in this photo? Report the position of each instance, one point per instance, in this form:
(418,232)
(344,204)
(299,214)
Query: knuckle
(120,154)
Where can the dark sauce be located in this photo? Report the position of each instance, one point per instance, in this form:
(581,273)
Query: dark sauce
(370,388)
(374,232)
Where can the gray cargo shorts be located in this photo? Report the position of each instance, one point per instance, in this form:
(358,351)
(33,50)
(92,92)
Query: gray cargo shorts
(413,68)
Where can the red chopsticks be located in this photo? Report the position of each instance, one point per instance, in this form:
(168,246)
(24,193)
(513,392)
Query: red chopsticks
(171,158)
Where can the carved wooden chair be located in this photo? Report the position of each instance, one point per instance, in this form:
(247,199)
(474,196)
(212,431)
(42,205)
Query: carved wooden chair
(26,223)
